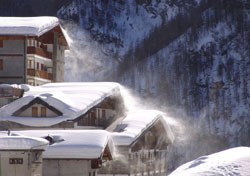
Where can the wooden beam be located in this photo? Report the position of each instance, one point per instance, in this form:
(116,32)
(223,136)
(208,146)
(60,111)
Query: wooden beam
(11,77)
(11,55)
(12,37)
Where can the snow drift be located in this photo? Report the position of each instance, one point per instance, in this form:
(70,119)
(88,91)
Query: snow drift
(231,162)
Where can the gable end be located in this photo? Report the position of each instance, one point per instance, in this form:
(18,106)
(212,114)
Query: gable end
(37,101)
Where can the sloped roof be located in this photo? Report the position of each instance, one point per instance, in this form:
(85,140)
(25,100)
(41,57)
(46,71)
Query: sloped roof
(72,99)
(73,144)
(135,123)
(22,143)
(28,26)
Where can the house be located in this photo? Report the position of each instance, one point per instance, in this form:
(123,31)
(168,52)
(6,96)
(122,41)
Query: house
(20,155)
(9,93)
(141,139)
(64,105)
(74,152)
(31,50)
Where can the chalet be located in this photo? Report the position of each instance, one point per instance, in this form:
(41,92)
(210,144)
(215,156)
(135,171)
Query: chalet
(74,152)
(141,139)
(31,50)
(64,105)
(20,155)
(9,93)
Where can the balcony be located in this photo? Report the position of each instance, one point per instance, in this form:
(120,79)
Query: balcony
(40,74)
(39,51)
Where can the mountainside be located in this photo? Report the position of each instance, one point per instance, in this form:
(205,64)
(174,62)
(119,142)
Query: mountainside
(190,58)
(188,55)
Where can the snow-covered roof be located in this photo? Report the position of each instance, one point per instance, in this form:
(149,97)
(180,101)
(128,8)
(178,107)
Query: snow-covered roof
(6,86)
(72,99)
(235,161)
(72,144)
(135,123)
(22,143)
(28,26)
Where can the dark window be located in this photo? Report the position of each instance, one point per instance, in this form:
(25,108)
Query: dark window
(16,161)
(103,115)
(37,66)
(1,64)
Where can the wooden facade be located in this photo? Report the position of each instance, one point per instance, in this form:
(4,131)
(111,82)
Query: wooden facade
(9,94)
(99,116)
(103,114)
(147,155)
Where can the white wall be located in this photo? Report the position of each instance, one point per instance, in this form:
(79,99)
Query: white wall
(27,168)
(67,167)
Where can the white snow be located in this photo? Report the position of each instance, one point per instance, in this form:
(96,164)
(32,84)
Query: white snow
(231,162)
(6,86)
(22,143)
(72,99)
(135,123)
(30,26)
(81,144)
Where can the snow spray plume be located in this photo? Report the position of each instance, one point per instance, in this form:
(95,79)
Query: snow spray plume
(133,102)
(192,137)
(192,140)
(86,60)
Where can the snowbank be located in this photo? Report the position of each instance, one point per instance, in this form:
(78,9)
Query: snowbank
(72,99)
(22,143)
(135,123)
(235,161)
(73,144)
(29,26)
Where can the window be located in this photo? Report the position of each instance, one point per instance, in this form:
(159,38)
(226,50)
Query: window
(37,66)
(43,111)
(1,43)
(1,64)
(29,64)
(42,67)
(32,42)
(99,113)
(34,111)
(103,114)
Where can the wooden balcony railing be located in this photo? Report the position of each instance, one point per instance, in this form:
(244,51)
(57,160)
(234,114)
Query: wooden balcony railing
(39,51)
(39,74)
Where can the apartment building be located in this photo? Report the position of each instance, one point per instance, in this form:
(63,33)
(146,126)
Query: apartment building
(31,50)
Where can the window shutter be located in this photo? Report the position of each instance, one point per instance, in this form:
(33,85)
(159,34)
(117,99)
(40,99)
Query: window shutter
(34,112)
(43,111)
